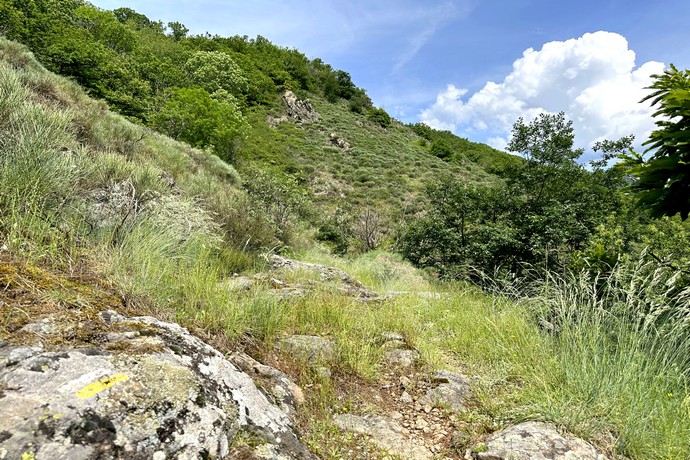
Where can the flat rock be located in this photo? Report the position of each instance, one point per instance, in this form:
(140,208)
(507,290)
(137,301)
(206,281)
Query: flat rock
(143,389)
(310,348)
(453,391)
(537,441)
(385,433)
(402,358)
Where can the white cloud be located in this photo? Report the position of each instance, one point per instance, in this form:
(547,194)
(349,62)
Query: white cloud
(592,79)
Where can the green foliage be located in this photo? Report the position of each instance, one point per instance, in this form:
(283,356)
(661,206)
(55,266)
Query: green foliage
(441,148)
(547,209)
(194,116)
(662,182)
(281,198)
(214,70)
(380,117)
(360,102)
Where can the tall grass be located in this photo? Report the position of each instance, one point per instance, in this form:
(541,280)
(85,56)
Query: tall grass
(619,366)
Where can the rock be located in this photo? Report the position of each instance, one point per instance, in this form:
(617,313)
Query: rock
(322,373)
(453,391)
(310,348)
(536,441)
(273,122)
(154,391)
(402,358)
(280,389)
(389,336)
(405,398)
(393,345)
(385,434)
(240,283)
(459,439)
(299,110)
(339,141)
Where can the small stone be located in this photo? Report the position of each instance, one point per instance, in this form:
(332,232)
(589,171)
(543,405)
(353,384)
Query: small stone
(420,424)
(405,382)
(322,372)
(390,335)
(158,455)
(405,398)
(402,358)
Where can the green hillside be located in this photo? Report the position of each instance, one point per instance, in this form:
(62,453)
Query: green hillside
(164,174)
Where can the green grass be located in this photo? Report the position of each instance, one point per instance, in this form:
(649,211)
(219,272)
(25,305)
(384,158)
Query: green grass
(612,366)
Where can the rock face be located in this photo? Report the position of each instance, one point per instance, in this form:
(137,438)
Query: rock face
(299,110)
(148,390)
(385,433)
(453,391)
(536,441)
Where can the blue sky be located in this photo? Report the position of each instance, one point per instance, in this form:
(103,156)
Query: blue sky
(471,66)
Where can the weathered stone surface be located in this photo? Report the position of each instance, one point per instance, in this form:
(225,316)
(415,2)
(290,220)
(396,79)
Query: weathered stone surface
(453,391)
(310,348)
(299,110)
(385,434)
(148,390)
(339,141)
(402,358)
(280,389)
(348,285)
(537,441)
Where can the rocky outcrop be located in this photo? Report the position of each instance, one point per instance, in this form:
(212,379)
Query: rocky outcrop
(299,110)
(346,283)
(536,441)
(339,141)
(139,388)
(452,391)
(385,433)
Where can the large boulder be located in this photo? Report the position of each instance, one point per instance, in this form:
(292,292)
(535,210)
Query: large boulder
(385,433)
(138,388)
(536,441)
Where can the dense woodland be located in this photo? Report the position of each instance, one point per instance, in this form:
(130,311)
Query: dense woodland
(517,225)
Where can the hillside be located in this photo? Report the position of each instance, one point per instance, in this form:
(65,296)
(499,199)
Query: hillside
(354,287)
(99,214)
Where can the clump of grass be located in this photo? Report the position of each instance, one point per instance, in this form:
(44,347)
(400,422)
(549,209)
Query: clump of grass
(613,363)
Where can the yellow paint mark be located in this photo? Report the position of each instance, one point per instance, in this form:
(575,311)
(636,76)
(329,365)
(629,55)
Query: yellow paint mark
(28,456)
(57,416)
(103,384)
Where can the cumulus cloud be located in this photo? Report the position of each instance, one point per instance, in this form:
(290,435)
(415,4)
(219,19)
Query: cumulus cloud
(593,79)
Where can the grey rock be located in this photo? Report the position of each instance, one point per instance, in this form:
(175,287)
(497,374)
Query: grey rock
(385,434)
(402,358)
(169,396)
(280,389)
(537,441)
(392,335)
(310,348)
(339,141)
(453,391)
(299,110)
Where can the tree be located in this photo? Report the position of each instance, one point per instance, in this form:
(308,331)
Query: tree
(215,70)
(662,182)
(194,116)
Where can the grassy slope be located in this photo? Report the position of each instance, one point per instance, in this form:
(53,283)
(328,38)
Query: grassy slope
(163,253)
(385,167)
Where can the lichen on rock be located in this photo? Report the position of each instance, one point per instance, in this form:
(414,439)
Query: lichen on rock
(179,399)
